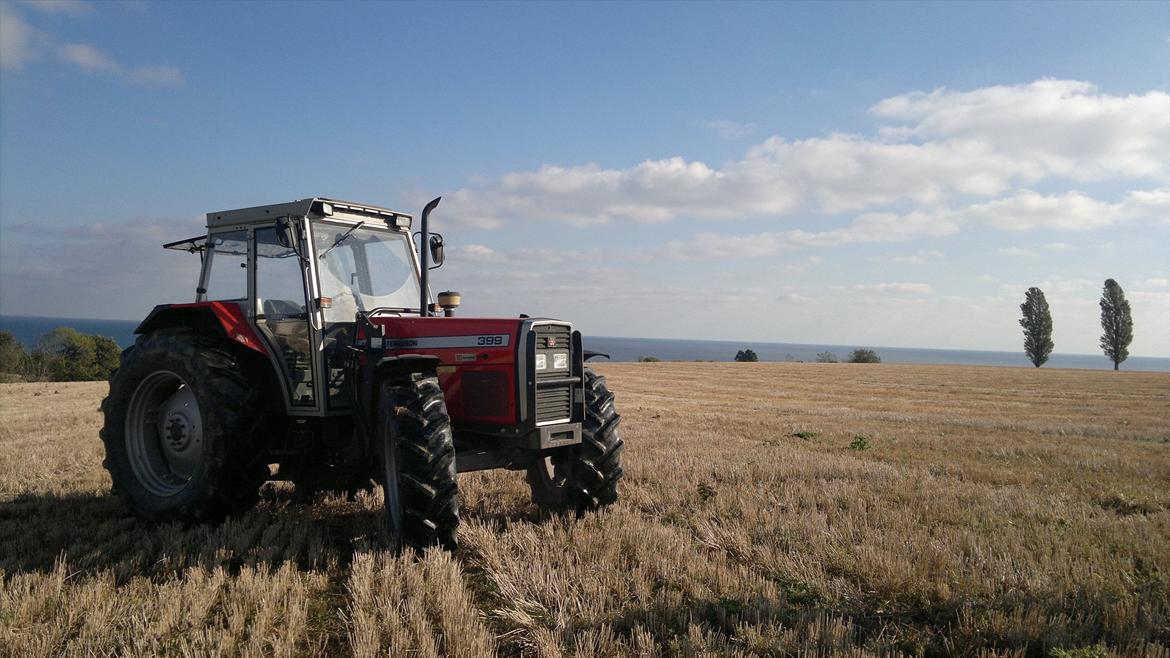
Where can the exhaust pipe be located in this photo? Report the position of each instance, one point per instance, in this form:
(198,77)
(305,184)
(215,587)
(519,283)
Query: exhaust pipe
(424,255)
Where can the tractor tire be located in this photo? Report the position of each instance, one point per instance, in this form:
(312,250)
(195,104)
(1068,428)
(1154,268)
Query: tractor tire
(583,477)
(181,432)
(417,454)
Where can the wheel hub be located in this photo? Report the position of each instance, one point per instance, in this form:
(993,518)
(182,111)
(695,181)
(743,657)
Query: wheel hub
(178,433)
(164,433)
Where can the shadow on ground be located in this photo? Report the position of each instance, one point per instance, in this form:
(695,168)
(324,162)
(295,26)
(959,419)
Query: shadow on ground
(95,533)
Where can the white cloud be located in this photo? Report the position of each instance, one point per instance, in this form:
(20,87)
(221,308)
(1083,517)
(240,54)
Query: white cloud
(654,191)
(709,245)
(870,228)
(920,257)
(1064,127)
(92,60)
(67,7)
(478,253)
(52,258)
(1018,252)
(896,288)
(980,143)
(849,173)
(797,266)
(1025,210)
(155,76)
(88,58)
(885,288)
(19,41)
(1071,211)
(732,129)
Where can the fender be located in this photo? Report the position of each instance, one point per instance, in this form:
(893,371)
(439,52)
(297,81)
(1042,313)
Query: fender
(406,363)
(227,318)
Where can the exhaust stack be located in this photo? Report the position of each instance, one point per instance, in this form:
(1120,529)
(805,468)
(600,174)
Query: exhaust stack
(424,254)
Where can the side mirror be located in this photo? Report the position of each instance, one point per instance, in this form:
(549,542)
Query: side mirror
(285,234)
(436,246)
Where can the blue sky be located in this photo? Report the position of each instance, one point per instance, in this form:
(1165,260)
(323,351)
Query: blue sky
(879,174)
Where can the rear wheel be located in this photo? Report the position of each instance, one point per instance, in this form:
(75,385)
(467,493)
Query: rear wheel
(583,477)
(181,425)
(418,462)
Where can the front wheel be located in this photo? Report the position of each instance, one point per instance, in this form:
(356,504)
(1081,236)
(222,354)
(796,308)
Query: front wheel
(583,477)
(417,459)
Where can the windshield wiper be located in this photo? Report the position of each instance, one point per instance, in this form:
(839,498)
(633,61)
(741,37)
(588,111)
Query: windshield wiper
(342,238)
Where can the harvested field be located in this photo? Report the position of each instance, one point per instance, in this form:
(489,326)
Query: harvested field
(767,509)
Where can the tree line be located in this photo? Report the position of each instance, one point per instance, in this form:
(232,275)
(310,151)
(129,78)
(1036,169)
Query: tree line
(61,355)
(859,355)
(1116,323)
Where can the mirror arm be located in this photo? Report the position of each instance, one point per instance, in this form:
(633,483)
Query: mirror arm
(285,228)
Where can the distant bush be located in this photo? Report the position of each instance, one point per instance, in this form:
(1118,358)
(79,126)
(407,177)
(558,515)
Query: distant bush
(826,357)
(860,442)
(746,355)
(12,355)
(648,359)
(806,435)
(61,355)
(861,355)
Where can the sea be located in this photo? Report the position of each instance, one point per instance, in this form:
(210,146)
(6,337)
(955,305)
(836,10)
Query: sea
(27,329)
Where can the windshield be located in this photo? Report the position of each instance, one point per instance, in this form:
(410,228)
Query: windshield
(364,270)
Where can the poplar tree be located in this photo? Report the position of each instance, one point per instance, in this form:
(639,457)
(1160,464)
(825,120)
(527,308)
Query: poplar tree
(1117,323)
(1037,324)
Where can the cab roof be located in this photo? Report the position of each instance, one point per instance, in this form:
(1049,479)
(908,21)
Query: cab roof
(310,207)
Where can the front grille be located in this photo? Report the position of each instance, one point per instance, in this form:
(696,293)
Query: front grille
(552,338)
(554,401)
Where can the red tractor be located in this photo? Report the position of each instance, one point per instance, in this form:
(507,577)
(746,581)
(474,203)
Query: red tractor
(313,354)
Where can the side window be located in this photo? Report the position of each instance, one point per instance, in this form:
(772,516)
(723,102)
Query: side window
(227,255)
(280,299)
(280,290)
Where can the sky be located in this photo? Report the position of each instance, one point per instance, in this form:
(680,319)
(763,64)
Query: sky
(850,173)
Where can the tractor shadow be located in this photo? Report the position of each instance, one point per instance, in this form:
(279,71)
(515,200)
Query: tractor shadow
(92,533)
(95,533)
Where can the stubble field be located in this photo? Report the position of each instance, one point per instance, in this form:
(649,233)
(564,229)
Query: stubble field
(767,509)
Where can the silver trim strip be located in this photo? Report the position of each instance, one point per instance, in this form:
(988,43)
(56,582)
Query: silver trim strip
(553,422)
(443,342)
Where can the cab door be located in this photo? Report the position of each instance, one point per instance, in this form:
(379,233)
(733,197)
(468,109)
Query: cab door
(282,313)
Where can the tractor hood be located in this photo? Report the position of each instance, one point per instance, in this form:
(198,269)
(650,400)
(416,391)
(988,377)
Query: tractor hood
(489,368)
(453,340)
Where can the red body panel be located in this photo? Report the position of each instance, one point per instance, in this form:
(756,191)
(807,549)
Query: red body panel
(492,368)
(229,315)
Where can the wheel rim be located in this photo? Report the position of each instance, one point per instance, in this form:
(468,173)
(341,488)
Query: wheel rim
(164,433)
(554,473)
(391,500)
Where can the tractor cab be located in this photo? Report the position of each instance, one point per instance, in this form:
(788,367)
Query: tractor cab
(299,274)
(314,353)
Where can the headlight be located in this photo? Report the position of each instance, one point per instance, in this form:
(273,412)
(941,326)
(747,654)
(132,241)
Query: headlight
(541,362)
(560,361)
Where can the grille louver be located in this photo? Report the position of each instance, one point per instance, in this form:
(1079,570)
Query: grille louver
(553,401)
